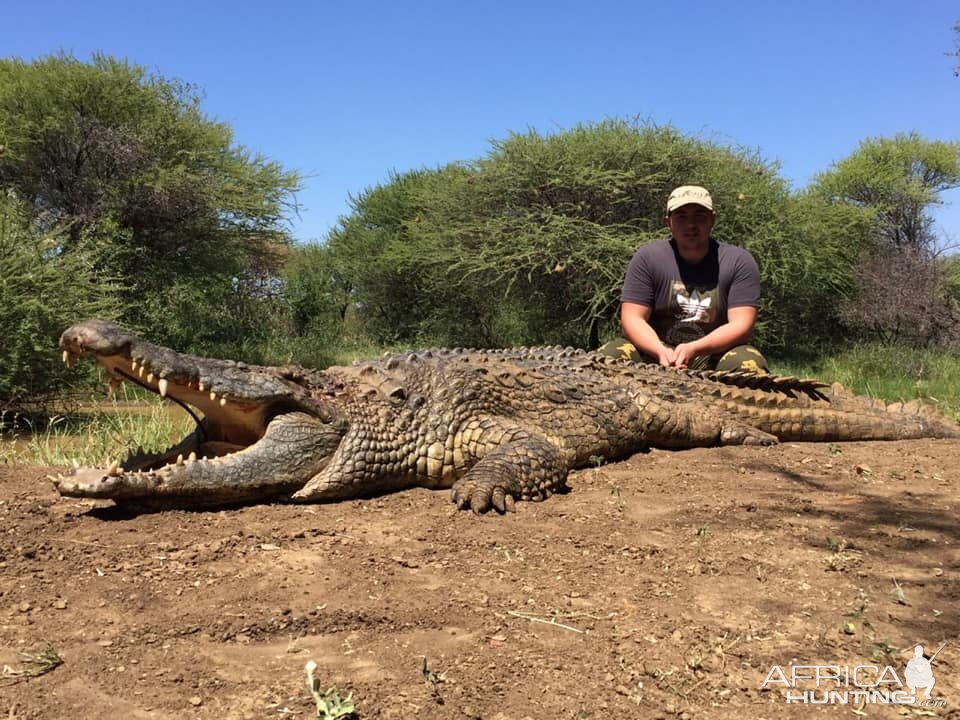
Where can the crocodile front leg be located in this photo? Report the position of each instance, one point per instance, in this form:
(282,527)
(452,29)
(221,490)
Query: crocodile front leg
(497,462)
(525,468)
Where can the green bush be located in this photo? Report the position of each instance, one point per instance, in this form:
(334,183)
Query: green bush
(530,243)
(42,291)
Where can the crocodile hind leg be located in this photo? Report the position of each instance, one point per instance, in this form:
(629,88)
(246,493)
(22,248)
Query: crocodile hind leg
(686,425)
(525,468)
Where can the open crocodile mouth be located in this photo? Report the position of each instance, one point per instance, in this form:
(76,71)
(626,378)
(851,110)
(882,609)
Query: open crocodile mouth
(256,435)
(224,426)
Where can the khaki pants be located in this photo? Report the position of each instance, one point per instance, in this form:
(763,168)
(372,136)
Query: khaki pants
(742,358)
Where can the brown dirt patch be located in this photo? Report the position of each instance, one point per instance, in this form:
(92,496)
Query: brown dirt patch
(674,581)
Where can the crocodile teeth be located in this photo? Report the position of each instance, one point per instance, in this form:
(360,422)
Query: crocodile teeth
(114,469)
(200,386)
(163,387)
(67,359)
(192,457)
(180,459)
(223,401)
(75,463)
(133,365)
(149,377)
(141,370)
(213,395)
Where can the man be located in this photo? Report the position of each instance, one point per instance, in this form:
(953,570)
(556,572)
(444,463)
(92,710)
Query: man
(690,301)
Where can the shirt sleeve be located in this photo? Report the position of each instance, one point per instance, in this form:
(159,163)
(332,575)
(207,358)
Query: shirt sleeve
(745,284)
(638,285)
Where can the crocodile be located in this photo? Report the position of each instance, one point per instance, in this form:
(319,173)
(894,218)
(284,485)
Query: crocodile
(495,426)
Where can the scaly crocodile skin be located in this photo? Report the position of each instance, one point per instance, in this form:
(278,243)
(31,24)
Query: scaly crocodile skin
(494,425)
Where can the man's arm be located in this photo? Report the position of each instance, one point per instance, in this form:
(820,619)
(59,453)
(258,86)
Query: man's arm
(634,319)
(736,331)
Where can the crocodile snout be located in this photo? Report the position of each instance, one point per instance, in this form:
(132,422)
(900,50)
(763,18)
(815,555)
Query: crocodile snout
(95,336)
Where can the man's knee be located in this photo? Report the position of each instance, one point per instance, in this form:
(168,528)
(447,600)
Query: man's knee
(743,358)
(621,349)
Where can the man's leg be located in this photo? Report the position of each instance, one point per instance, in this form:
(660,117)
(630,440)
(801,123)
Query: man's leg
(743,358)
(622,349)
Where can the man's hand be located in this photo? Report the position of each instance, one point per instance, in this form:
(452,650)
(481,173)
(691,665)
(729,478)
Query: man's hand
(667,356)
(636,327)
(683,354)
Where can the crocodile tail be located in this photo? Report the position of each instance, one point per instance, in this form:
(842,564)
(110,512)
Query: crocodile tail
(802,411)
(786,384)
(921,415)
(858,419)
(934,424)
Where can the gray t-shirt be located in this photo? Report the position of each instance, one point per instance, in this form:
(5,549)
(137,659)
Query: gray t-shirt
(690,299)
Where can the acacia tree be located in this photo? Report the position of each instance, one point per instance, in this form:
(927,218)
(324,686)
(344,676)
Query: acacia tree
(956,53)
(902,291)
(898,180)
(370,252)
(187,221)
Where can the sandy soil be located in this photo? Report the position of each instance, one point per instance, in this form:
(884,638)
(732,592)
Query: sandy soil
(665,586)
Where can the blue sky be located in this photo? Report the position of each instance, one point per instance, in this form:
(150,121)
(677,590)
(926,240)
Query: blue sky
(347,92)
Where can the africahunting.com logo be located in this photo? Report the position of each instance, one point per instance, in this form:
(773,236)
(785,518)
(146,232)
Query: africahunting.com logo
(859,684)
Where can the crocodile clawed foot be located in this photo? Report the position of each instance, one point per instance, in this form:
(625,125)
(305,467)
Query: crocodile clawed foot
(481,494)
(735,433)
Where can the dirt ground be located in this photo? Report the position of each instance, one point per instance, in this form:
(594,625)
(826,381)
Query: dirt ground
(668,585)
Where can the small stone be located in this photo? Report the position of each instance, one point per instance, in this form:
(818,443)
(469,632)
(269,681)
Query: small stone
(24,607)
(105,643)
(60,604)
(196,701)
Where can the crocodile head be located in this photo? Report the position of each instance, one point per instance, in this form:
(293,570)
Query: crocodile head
(262,432)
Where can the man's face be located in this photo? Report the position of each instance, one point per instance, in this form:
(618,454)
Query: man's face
(691,224)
